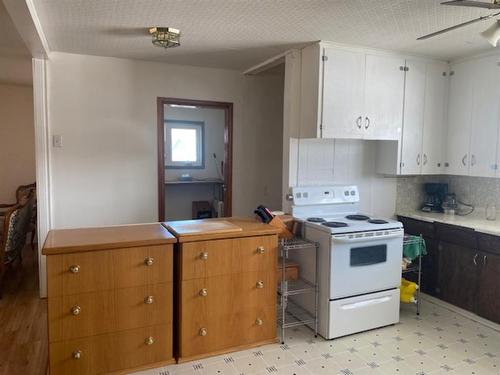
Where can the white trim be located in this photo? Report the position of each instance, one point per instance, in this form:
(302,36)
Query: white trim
(267,64)
(464,313)
(42,163)
(38,25)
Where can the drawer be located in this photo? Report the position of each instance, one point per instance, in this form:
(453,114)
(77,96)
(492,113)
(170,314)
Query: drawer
(222,295)
(112,352)
(202,337)
(462,236)
(223,257)
(89,314)
(489,243)
(417,227)
(109,269)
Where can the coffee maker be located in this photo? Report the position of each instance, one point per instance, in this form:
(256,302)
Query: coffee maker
(435,195)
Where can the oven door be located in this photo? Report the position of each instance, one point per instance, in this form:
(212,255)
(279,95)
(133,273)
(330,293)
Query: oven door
(365,262)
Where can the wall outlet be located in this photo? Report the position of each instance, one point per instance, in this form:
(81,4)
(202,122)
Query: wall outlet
(57,140)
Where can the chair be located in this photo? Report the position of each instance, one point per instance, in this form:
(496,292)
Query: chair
(23,191)
(16,226)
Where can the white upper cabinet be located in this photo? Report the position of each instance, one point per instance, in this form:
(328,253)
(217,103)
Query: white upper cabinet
(413,119)
(485,117)
(343,93)
(435,110)
(459,119)
(383,103)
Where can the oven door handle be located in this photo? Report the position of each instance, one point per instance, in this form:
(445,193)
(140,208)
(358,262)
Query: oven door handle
(366,303)
(367,238)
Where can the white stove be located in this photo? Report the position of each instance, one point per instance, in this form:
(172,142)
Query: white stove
(359,269)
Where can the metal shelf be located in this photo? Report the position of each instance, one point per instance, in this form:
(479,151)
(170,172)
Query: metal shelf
(296,316)
(415,268)
(294,287)
(291,314)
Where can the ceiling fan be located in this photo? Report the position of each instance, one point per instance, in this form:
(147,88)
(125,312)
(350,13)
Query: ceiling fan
(492,33)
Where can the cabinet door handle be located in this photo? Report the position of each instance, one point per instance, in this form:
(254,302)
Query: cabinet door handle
(418,159)
(149,340)
(149,300)
(148,261)
(74,268)
(358,122)
(261,250)
(485,258)
(474,260)
(367,122)
(203,292)
(259,284)
(76,310)
(472,160)
(77,354)
(425,159)
(204,256)
(464,160)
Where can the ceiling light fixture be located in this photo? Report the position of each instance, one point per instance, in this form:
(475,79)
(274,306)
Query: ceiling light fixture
(166,37)
(492,33)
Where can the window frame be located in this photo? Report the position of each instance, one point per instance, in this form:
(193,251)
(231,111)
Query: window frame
(199,126)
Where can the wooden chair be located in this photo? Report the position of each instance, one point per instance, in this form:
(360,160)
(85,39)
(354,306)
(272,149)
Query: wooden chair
(16,226)
(22,192)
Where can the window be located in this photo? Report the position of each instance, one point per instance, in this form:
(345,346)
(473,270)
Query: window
(184,144)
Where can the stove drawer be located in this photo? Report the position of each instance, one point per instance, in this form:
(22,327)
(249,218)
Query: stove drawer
(361,313)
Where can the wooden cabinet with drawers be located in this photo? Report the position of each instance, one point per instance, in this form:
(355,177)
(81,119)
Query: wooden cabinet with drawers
(110,299)
(226,289)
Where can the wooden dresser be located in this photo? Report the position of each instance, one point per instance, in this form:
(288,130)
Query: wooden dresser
(110,302)
(226,285)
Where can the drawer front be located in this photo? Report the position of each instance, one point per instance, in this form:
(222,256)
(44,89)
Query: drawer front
(417,227)
(462,236)
(109,269)
(228,294)
(489,243)
(112,352)
(89,314)
(223,257)
(204,336)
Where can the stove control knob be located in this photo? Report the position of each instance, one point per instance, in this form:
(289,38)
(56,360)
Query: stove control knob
(346,193)
(353,193)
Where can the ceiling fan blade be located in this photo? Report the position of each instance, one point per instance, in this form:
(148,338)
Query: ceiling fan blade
(484,18)
(474,4)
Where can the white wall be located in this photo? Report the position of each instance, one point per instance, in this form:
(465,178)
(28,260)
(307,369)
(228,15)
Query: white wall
(105,110)
(328,161)
(17,140)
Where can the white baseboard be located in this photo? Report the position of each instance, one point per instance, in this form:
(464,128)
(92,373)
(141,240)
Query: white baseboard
(458,310)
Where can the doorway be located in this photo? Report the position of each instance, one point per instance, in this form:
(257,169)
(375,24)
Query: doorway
(194,159)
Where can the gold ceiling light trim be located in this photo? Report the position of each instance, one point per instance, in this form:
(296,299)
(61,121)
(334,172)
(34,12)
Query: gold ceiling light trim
(166,37)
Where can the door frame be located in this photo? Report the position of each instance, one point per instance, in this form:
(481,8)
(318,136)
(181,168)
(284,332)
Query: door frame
(228,148)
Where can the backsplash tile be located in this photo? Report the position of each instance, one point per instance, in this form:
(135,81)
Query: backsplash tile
(477,191)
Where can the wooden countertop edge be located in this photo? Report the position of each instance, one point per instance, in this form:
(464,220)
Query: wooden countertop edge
(54,245)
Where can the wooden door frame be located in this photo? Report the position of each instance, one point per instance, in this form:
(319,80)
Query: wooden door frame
(228,148)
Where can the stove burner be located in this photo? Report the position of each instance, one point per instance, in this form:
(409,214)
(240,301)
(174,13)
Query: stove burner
(316,220)
(357,217)
(334,224)
(377,221)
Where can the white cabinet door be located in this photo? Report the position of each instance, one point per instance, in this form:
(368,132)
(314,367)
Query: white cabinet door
(413,118)
(434,132)
(459,119)
(384,88)
(343,93)
(485,117)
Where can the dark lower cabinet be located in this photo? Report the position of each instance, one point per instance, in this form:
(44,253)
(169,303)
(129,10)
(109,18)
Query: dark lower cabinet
(488,291)
(462,266)
(458,275)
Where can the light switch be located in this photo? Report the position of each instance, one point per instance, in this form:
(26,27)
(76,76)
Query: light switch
(57,140)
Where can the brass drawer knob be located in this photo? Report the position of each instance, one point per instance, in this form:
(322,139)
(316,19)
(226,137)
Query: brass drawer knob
(202,332)
(149,300)
(76,310)
(261,250)
(203,292)
(259,321)
(149,340)
(77,354)
(149,261)
(259,284)
(204,256)
(74,268)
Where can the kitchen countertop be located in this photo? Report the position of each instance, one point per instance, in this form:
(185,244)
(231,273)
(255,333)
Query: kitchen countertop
(475,220)
(60,241)
(249,227)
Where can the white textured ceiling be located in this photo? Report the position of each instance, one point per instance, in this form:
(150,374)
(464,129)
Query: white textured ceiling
(236,34)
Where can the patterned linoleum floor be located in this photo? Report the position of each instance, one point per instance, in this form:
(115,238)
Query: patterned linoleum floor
(438,342)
